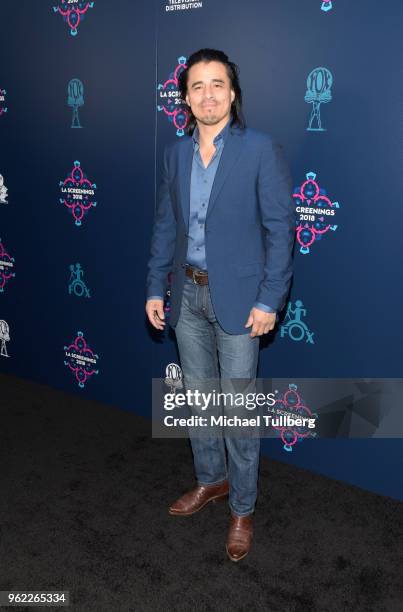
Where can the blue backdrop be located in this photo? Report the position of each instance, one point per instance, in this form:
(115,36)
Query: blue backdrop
(323,77)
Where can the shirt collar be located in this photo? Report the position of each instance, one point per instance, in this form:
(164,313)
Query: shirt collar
(220,136)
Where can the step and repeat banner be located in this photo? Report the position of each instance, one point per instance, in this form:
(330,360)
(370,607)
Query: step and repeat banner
(314,74)
(89,99)
(77,165)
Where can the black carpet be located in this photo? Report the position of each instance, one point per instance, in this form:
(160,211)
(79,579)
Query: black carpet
(84,498)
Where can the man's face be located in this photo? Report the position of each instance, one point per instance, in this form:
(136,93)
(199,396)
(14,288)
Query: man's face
(209,92)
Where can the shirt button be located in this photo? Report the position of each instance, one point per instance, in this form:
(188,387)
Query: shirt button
(203,205)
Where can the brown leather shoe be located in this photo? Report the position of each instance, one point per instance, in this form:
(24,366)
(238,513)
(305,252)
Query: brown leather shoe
(239,536)
(194,500)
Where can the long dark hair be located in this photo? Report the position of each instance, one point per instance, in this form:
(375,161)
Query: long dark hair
(210,55)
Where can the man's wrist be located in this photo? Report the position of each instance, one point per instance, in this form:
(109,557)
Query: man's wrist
(264,307)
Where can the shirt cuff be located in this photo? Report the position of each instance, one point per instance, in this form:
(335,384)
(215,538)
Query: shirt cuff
(155,297)
(264,307)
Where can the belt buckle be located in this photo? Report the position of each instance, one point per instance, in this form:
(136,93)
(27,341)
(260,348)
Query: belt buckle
(193,275)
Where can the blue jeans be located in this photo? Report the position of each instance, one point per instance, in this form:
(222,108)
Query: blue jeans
(203,346)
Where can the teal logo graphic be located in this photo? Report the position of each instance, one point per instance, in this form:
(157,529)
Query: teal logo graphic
(319,91)
(327,5)
(76,284)
(293,326)
(75,99)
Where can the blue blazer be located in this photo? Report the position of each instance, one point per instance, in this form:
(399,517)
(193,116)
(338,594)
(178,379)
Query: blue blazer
(249,229)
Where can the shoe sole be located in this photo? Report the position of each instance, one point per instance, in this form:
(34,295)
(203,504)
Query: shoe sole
(238,558)
(212,499)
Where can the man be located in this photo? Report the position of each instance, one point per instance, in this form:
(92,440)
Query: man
(225,227)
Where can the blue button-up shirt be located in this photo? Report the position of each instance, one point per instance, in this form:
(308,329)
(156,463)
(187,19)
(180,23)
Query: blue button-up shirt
(201,183)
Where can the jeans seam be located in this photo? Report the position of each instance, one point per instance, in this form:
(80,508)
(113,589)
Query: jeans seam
(205,298)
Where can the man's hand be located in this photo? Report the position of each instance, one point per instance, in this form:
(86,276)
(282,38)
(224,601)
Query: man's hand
(262,322)
(155,313)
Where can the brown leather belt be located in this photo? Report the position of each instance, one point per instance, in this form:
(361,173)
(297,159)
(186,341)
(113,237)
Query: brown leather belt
(199,277)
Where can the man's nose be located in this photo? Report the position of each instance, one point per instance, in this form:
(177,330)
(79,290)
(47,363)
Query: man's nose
(209,92)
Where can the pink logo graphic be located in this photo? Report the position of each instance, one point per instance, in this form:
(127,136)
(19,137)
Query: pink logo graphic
(170,101)
(73,14)
(81,359)
(3,107)
(6,267)
(77,193)
(291,405)
(316,213)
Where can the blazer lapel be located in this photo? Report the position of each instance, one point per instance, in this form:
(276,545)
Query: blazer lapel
(230,154)
(185,172)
